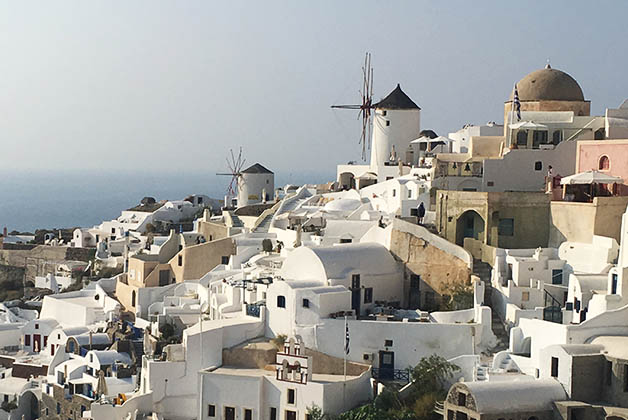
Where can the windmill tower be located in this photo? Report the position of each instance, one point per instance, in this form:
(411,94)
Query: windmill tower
(388,126)
(255,184)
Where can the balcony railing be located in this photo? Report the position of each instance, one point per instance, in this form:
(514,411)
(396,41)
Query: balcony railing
(387,374)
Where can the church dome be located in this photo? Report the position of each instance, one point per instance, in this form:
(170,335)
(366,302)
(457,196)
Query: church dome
(549,84)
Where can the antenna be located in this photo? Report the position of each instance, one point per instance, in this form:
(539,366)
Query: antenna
(235,171)
(366,95)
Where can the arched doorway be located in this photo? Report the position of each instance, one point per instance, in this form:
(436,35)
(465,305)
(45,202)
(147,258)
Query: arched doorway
(346,181)
(28,406)
(469,225)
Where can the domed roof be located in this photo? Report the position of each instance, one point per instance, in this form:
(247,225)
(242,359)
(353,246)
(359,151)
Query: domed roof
(549,84)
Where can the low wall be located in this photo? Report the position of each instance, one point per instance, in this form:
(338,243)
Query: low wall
(143,403)
(480,251)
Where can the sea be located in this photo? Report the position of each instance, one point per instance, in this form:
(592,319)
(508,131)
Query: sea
(31,200)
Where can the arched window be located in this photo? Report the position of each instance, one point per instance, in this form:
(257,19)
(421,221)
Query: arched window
(557,137)
(605,163)
(281,301)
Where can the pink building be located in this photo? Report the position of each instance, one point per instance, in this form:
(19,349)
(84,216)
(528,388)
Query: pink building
(608,156)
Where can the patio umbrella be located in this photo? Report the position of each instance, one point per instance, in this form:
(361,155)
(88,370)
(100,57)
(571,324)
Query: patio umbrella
(528,125)
(590,177)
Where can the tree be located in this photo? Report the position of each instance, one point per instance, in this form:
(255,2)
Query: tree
(459,296)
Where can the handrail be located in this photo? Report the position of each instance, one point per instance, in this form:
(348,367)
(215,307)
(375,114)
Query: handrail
(577,133)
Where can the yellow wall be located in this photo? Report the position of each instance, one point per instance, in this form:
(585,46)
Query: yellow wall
(198,260)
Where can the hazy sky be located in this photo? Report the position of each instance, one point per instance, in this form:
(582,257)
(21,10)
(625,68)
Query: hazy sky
(154,85)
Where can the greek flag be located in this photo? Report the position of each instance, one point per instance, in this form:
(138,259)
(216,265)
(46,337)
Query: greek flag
(516,104)
(346,337)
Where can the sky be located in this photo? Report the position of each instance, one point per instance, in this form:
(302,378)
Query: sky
(161,86)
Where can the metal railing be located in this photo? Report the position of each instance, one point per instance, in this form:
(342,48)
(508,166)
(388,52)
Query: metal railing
(387,374)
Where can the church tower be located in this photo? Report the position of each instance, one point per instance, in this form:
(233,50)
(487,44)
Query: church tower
(396,122)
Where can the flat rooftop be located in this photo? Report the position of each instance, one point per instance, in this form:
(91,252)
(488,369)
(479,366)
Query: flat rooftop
(237,371)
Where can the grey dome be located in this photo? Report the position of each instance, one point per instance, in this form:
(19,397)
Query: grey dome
(549,84)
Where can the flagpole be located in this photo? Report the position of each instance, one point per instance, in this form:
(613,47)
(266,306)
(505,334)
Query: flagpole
(344,382)
(509,122)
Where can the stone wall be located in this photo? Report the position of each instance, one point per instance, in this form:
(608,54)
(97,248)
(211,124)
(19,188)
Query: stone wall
(437,269)
(43,259)
(69,409)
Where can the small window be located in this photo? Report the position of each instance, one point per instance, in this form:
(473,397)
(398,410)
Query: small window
(368,295)
(306,303)
(180,260)
(36,326)
(490,183)
(346,240)
(387,123)
(557,137)
(224,260)
(605,163)
(291,396)
(58,408)
(538,166)
(625,378)
(409,193)
(27,340)
(211,410)
(388,343)
(273,413)
(506,227)
(113,230)
(554,370)
(281,301)
(384,113)
(355,281)
(451,415)
(525,296)
(462,399)
(522,138)
(394,193)
(248,414)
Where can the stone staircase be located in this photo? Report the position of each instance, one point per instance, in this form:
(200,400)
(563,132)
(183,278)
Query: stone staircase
(483,271)
(264,224)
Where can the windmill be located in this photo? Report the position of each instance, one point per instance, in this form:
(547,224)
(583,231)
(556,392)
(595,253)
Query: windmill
(366,94)
(235,167)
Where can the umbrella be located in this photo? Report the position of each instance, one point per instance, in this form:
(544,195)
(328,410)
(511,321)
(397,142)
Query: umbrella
(591,177)
(528,125)
(439,139)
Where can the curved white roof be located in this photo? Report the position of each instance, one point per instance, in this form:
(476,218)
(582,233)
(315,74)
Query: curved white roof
(343,204)
(516,395)
(335,262)
(109,357)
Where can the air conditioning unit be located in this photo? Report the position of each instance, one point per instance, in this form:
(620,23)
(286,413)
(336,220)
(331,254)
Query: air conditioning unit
(367,357)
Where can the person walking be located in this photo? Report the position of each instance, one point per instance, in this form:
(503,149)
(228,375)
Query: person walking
(420,212)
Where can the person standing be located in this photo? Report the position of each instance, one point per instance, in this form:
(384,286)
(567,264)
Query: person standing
(420,212)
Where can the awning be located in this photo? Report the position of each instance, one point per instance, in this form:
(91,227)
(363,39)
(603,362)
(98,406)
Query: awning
(591,177)
(439,139)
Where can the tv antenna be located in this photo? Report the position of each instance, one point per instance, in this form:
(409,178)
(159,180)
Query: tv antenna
(366,95)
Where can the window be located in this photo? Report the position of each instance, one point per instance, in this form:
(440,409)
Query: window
(291,415)
(180,261)
(522,138)
(36,326)
(281,301)
(538,138)
(451,415)
(273,413)
(490,184)
(462,399)
(625,378)
(614,284)
(306,303)
(409,193)
(224,260)
(355,281)
(58,408)
(609,373)
(557,276)
(394,193)
(384,113)
(554,370)
(525,296)
(27,340)
(557,137)
(248,414)
(387,123)
(291,396)
(538,166)
(388,343)
(506,227)
(113,230)
(605,163)
(346,240)
(368,295)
